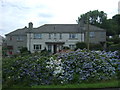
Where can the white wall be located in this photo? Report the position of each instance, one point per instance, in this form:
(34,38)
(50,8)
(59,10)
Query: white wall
(45,38)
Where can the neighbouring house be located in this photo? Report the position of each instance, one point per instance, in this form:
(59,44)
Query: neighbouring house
(1,40)
(53,37)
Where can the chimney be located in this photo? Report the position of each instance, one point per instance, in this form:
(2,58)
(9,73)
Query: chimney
(30,26)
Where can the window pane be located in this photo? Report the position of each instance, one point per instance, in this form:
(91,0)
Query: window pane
(19,38)
(37,47)
(60,36)
(92,34)
(49,48)
(72,36)
(49,35)
(55,35)
(37,36)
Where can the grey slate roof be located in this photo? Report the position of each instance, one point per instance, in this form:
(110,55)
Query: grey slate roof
(60,28)
(21,31)
(56,28)
(64,28)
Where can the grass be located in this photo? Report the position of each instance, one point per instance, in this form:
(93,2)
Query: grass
(106,84)
(103,84)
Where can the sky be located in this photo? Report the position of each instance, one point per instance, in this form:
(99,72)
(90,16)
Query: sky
(15,14)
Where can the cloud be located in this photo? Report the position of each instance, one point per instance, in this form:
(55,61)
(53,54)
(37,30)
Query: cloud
(45,15)
(18,13)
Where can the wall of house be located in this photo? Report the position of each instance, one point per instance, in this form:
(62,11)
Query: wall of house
(16,43)
(45,38)
(99,36)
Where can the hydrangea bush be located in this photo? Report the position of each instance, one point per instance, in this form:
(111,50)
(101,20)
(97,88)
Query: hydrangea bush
(73,67)
(82,66)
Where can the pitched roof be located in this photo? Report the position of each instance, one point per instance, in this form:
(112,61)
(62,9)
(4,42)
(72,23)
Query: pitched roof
(21,31)
(64,28)
(56,28)
(60,28)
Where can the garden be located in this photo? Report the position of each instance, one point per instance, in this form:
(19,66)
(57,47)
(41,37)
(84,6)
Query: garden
(73,68)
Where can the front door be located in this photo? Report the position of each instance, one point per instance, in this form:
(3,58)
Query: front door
(54,48)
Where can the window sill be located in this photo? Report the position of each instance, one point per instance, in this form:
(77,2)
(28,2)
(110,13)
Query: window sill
(37,38)
(19,40)
(73,38)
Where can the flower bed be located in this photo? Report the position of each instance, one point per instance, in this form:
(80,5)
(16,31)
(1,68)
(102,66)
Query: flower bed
(73,67)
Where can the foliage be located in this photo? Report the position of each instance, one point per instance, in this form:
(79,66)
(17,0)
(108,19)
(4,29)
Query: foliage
(69,68)
(23,49)
(99,19)
(113,44)
(115,39)
(114,47)
(81,45)
(96,46)
(95,17)
(66,48)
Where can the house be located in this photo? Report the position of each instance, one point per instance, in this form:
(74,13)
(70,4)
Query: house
(1,40)
(53,37)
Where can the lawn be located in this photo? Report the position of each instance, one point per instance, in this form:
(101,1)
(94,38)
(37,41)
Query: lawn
(105,84)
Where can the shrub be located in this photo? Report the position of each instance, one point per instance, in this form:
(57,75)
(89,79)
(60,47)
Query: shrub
(73,67)
(114,47)
(96,47)
(66,47)
(81,45)
(82,66)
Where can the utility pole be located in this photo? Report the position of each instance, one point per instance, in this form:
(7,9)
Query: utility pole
(88,32)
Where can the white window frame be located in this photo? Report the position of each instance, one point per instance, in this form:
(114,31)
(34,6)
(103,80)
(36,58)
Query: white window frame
(73,36)
(55,35)
(50,48)
(50,35)
(60,35)
(37,46)
(72,46)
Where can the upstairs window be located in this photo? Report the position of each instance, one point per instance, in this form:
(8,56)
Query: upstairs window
(19,38)
(50,35)
(37,36)
(10,38)
(60,35)
(54,35)
(92,34)
(37,47)
(73,36)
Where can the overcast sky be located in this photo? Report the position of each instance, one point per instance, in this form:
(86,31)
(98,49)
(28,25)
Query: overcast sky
(15,14)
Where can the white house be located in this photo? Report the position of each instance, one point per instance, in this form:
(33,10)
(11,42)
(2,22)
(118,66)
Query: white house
(53,37)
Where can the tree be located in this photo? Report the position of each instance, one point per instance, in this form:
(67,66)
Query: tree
(116,19)
(99,19)
(95,17)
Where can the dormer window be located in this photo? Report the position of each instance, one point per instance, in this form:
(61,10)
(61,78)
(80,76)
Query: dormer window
(37,36)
